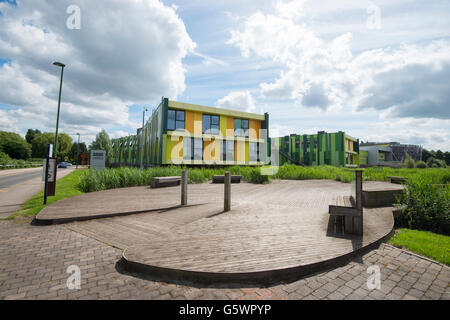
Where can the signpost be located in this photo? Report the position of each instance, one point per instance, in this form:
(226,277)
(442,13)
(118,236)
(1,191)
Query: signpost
(98,158)
(49,173)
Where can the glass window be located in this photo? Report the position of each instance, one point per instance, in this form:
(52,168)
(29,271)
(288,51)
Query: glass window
(171,120)
(227,150)
(253,151)
(210,124)
(241,127)
(198,149)
(187,148)
(175,120)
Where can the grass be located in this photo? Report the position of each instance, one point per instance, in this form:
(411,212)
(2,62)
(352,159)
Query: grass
(65,188)
(432,245)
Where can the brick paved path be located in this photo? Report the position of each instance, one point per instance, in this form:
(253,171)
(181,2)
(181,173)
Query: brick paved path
(33,263)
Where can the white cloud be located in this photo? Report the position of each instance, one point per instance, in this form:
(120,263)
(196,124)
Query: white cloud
(410,80)
(238,100)
(124,53)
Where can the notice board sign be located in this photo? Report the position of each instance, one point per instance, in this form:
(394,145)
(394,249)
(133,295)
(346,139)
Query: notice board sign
(51,169)
(98,158)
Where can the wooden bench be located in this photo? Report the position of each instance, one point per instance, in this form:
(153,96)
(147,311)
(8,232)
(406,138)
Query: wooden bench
(398,180)
(343,210)
(159,182)
(221,179)
(348,210)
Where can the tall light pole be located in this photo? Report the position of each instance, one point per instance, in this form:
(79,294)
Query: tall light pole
(142,140)
(78,150)
(58,64)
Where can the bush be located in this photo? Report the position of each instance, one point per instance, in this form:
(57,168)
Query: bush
(436,163)
(421,165)
(425,206)
(409,162)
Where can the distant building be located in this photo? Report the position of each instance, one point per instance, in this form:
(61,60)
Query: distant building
(335,149)
(373,153)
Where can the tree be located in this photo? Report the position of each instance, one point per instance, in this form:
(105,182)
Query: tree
(14,145)
(74,151)
(102,142)
(447,158)
(31,134)
(427,154)
(41,141)
(439,155)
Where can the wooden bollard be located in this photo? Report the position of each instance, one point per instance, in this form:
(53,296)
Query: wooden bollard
(227,195)
(184,183)
(359,220)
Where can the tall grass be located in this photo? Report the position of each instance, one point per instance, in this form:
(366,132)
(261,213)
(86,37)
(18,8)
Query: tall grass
(426,206)
(131,177)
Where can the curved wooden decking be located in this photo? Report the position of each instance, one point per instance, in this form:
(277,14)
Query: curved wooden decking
(274,232)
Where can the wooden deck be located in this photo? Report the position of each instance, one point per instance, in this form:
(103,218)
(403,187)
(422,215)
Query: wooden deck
(273,232)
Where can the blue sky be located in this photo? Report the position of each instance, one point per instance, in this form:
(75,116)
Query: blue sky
(375,69)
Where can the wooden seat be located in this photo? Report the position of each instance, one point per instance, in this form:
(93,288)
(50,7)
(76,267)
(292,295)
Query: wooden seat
(398,180)
(158,182)
(221,179)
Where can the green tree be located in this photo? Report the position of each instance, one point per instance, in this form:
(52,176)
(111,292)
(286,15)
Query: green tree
(31,134)
(447,158)
(102,142)
(427,154)
(14,145)
(439,155)
(41,141)
(74,151)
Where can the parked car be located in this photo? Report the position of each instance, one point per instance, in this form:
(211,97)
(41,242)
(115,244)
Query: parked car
(62,165)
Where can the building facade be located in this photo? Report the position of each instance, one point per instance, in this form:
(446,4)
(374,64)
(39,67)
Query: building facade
(336,149)
(188,134)
(388,153)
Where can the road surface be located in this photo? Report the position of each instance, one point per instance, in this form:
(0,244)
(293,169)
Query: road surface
(18,185)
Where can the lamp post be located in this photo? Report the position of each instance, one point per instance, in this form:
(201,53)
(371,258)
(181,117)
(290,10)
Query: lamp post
(58,64)
(142,140)
(78,150)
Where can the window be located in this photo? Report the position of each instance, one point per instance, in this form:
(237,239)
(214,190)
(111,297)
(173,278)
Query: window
(198,149)
(210,124)
(253,151)
(241,127)
(227,150)
(175,120)
(192,149)
(187,148)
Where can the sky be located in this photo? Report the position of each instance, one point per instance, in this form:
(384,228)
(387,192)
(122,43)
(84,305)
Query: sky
(378,70)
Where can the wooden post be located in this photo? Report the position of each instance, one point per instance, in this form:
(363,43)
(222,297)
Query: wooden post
(184,182)
(359,220)
(227,197)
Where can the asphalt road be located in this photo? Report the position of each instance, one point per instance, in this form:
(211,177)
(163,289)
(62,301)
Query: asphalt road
(17,186)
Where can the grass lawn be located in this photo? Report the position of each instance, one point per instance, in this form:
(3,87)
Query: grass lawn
(432,245)
(65,188)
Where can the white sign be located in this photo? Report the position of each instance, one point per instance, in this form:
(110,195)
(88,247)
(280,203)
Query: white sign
(98,158)
(51,170)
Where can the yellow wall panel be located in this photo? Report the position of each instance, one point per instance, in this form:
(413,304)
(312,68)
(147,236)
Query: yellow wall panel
(239,151)
(223,126)
(174,149)
(197,123)
(230,127)
(190,117)
(247,152)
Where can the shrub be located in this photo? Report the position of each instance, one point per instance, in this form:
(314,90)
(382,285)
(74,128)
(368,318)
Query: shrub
(409,162)
(425,205)
(436,163)
(421,165)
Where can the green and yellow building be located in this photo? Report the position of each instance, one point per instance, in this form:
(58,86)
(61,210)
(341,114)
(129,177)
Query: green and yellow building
(335,149)
(188,134)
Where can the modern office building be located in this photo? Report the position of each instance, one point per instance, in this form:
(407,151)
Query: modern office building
(384,153)
(188,134)
(336,149)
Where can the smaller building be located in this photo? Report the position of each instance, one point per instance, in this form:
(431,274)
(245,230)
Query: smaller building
(335,149)
(374,155)
(388,153)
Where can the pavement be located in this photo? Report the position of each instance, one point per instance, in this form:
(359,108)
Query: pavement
(34,262)
(18,185)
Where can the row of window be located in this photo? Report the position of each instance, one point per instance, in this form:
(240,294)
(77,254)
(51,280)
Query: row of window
(210,124)
(193,150)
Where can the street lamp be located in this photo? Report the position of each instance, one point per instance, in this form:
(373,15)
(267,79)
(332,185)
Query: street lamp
(142,140)
(78,150)
(58,64)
